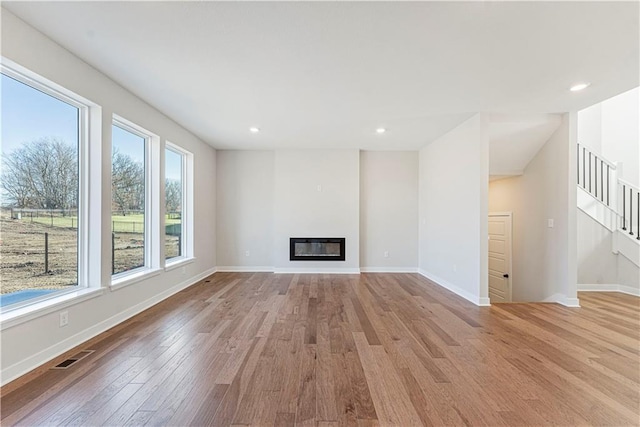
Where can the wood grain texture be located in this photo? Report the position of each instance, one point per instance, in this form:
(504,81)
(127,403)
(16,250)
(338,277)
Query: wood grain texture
(332,350)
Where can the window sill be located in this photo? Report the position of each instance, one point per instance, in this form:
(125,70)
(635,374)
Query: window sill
(178,262)
(130,279)
(42,308)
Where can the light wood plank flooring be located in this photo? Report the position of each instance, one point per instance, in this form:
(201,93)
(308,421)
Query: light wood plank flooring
(327,350)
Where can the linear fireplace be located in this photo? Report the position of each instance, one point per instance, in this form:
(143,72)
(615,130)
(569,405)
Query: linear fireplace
(317,249)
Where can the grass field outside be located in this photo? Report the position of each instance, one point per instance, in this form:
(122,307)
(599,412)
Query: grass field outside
(120,223)
(22,249)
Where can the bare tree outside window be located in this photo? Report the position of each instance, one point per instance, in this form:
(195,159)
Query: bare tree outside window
(38,193)
(173,197)
(127,200)
(127,183)
(42,174)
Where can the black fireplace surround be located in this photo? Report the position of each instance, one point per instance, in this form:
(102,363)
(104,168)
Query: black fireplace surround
(317,249)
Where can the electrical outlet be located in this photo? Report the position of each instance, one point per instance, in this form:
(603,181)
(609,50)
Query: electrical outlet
(183,270)
(550,223)
(64,318)
(386,254)
(319,187)
(455,268)
(247,253)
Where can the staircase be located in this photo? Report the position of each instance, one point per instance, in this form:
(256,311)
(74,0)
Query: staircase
(611,201)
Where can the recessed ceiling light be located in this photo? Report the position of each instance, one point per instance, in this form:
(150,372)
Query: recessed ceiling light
(381,130)
(579,86)
(254,129)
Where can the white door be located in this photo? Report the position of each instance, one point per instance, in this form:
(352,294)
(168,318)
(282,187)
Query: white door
(500,257)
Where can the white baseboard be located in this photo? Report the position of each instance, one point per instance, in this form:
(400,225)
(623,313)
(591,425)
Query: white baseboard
(629,290)
(266,269)
(563,300)
(602,287)
(316,271)
(570,302)
(244,269)
(557,298)
(388,270)
(484,302)
(16,370)
(479,301)
(608,287)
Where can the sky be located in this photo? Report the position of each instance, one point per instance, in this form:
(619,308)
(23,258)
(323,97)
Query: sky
(28,115)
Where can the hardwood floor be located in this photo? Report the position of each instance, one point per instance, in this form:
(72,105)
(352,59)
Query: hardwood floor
(328,350)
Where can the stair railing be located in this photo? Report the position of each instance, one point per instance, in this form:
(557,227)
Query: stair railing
(630,208)
(601,179)
(597,176)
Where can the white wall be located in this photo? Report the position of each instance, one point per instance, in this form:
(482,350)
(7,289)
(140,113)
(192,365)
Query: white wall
(543,258)
(317,195)
(596,262)
(32,343)
(590,128)
(621,133)
(628,276)
(370,198)
(388,210)
(599,268)
(612,129)
(245,186)
(454,174)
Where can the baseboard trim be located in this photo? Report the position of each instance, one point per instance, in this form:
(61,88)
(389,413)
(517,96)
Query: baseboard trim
(244,269)
(608,287)
(629,290)
(484,302)
(316,271)
(563,300)
(388,270)
(570,302)
(479,301)
(25,366)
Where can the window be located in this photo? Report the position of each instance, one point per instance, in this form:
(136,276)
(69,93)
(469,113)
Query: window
(41,198)
(177,199)
(129,196)
(173,203)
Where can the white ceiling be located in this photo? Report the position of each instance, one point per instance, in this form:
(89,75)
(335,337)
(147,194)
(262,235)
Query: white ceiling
(326,74)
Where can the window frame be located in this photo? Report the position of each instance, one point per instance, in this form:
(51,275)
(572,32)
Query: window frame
(88,276)
(151,204)
(186,216)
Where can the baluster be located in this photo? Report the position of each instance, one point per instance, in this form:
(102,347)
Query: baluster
(624,209)
(595,174)
(630,211)
(601,181)
(589,171)
(608,188)
(578,163)
(638,217)
(584,169)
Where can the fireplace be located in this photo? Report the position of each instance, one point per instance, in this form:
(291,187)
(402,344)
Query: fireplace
(317,249)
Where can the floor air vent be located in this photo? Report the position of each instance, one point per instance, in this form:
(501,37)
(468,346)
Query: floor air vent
(72,360)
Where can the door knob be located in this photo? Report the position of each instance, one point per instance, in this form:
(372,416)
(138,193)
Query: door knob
(505,275)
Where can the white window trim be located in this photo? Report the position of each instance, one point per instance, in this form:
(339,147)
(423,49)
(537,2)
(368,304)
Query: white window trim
(151,207)
(187,208)
(41,308)
(132,277)
(89,186)
(177,262)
